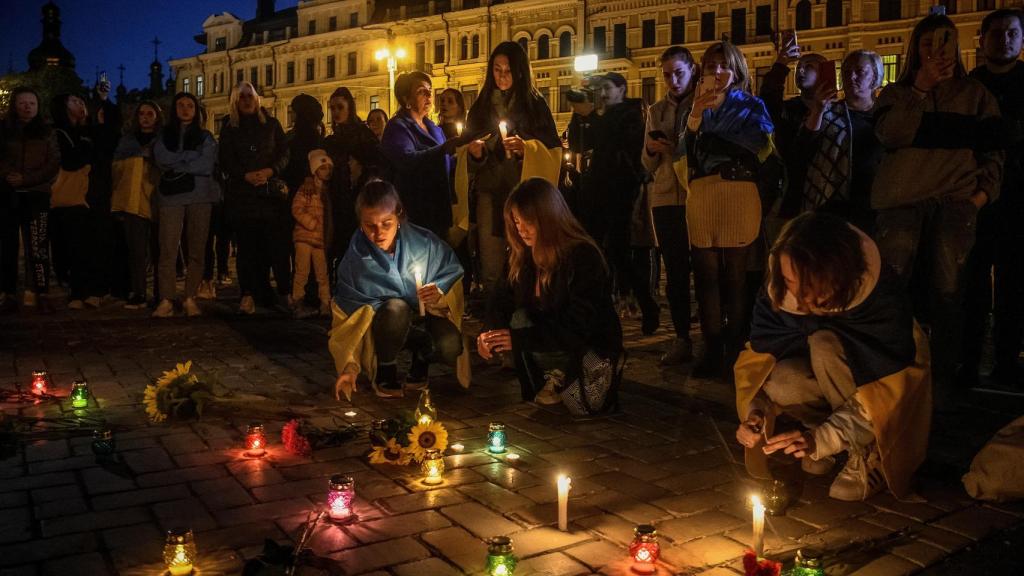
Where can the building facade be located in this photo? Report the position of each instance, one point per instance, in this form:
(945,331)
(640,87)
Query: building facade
(321,45)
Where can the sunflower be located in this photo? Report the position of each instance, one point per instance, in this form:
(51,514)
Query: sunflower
(423,437)
(390,453)
(153,405)
(180,374)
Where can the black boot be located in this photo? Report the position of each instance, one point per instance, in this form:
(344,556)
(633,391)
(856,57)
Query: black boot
(712,362)
(387,384)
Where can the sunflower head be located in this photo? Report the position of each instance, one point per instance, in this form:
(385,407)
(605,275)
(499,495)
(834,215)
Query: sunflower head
(151,400)
(180,374)
(424,437)
(390,453)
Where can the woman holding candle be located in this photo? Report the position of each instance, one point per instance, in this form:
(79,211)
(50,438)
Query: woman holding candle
(834,345)
(451,114)
(497,161)
(376,301)
(376,121)
(554,313)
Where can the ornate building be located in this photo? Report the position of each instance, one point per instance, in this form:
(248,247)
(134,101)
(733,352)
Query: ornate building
(323,44)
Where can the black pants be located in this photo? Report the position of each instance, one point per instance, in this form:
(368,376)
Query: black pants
(674,245)
(137,240)
(25,216)
(78,238)
(9,228)
(264,244)
(431,338)
(218,244)
(535,352)
(720,278)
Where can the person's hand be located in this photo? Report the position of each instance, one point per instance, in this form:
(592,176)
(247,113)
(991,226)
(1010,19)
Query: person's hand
(824,96)
(701,102)
(584,108)
(749,432)
(795,443)
(979,198)
(514,145)
(932,72)
(789,53)
(660,146)
(487,343)
(15,179)
(345,384)
(259,177)
(429,295)
(476,149)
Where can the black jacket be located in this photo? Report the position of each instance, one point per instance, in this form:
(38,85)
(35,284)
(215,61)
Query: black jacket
(1008,89)
(787,116)
(349,140)
(251,146)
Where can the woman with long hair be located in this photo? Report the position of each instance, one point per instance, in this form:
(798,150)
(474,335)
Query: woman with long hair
(376,121)
(307,134)
(136,176)
(356,153)
(253,155)
(937,172)
(451,111)
(186,153)
(497,162)
(29,160)
(728,135)
(554,309)
(397,287)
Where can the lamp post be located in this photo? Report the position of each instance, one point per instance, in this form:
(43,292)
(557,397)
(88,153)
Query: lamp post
(392,57)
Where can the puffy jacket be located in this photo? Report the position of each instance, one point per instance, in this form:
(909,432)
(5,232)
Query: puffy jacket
(308,211)
(31,152)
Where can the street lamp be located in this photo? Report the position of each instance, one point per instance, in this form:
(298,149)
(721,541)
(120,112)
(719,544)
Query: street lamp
(392,58)
(585,63)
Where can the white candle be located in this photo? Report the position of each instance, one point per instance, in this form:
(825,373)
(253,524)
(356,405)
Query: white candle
(512,456)
(350,413)
(758,526)
(564,484)
(458,128)
(458,447)
(417,274)
(503,128)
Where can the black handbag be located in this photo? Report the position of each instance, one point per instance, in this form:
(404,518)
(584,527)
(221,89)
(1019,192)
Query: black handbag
(173,183)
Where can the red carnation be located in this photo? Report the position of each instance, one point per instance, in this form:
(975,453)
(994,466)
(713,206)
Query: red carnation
(753,566)
(294,441)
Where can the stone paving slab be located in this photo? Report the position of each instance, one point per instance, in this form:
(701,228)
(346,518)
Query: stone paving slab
(659,460)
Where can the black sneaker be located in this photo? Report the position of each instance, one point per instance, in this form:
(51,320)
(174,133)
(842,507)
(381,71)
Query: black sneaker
(387,384)
(417,378)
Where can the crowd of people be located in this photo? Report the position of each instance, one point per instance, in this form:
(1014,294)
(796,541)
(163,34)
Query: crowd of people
(842,242)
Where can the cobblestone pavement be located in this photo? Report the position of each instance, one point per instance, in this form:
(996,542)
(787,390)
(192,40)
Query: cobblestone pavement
(659,460)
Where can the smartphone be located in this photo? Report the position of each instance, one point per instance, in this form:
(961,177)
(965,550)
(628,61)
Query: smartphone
(788,40)
(937,11)
(708,83)
(944,44)
(657,135)
(827,74)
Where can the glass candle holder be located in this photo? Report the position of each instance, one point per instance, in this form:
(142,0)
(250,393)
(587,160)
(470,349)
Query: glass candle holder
(378,436)
(103,443)
(40,382)
(425,411)
(179,551)
(341,491)
(645,549)
(255,441)
(500,559)
(808,562)
(79,394)
(432,467)
(775,495)
(496,438)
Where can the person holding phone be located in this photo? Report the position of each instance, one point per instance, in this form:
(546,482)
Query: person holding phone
(727,138)
(934,177)
(663,153)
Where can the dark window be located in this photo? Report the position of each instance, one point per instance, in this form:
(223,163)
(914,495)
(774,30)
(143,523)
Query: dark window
(439,52)
(739,26)
(763,20)
(464,48)
(353,20)
(707,26)
(565,44)
(563,100)
(220,43)
(619,48)
(351,64)
(312,27)
(833,13)
(648,37)
(469,95)
(310,67)
(330,66)
(803,15)
(600,40)
(268,73)
(678,30)
(524,43)
(332,23)
(984,5)
(476,45)
(239,76)
(648,90)
(290,73)
(950,6)
(890,10)
(543,47)
(254,76)
(421,55)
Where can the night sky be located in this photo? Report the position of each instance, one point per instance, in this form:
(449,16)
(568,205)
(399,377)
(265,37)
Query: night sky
(108,33)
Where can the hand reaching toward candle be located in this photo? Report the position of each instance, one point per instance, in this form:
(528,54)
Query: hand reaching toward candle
(796,443)
(430,295)
(749,432)
(514,145)
(487,343)
(476,149)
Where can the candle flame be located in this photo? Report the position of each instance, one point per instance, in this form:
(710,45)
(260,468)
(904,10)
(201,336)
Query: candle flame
(458,447)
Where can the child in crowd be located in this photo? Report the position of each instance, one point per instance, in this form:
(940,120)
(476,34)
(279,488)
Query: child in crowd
(310,232)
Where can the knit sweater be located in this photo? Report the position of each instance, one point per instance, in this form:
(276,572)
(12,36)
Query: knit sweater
(669,116)
(931,143)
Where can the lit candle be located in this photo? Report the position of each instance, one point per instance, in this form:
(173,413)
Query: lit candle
(458,128)
(417,274)
(79,394)
(564,485)
(458,447)
(568,157)
(432,467)
(645,549)
(350,413)
(40,382)
(758,526)
(425,411)
(255,441)
(512,457)
(179,551)
(500,559)
(103,443)
(503,128)
(496,438)
(341,491)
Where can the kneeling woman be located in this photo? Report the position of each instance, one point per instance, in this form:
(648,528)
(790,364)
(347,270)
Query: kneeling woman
(554,312)
(394,270)
(834,345)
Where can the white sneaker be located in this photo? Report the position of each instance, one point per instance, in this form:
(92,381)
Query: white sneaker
(191,308)
(206,291)
(817,467)
(29,299)
(164,310)
(860,479)
(76,305)
(94,301)
(549,394)
(247,306)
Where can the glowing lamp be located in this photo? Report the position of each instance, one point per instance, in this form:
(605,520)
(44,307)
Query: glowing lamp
(425,411)
(103,443)
(255,441)
(776,497)
(179,551)
(378,434)
(79,394)
(645,549)
(496,438)
(40,382)
(340,493)
(585,63)
(432,467)
(500,560)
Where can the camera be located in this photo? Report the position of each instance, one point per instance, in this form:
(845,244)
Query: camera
(584,93)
